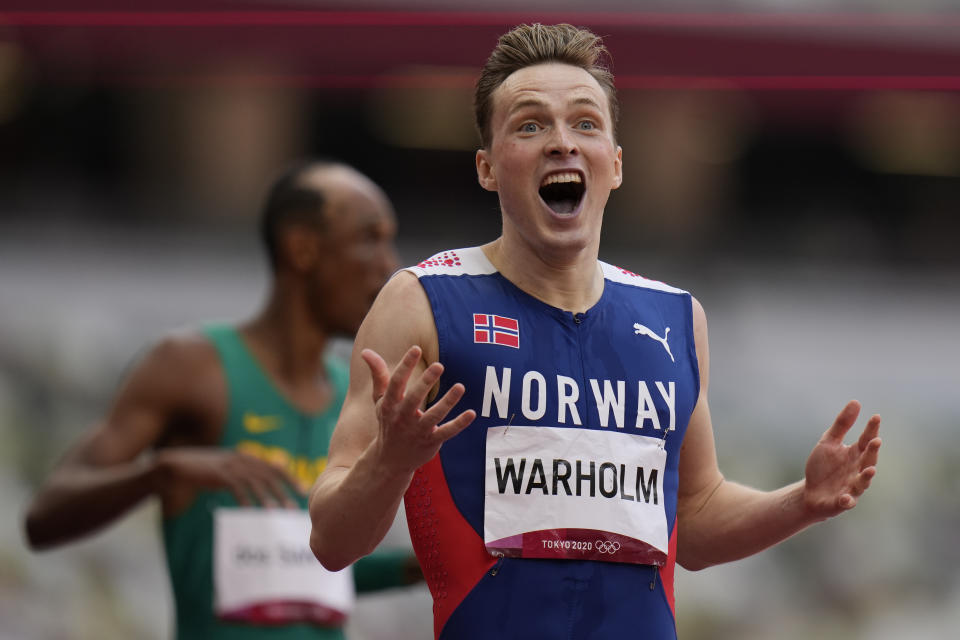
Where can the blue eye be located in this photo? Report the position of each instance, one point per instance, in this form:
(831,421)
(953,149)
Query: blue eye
(529,127)
(586,125)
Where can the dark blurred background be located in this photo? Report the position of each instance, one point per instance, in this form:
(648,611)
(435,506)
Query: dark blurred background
(793,163)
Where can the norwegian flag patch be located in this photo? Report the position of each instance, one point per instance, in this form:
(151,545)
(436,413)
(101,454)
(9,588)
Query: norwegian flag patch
(493,329)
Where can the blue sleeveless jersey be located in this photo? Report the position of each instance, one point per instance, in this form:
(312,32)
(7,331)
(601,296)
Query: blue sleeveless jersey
(615,368)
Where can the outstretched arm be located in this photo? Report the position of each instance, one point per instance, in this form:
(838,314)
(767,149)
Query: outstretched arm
(384,432)
(720,520)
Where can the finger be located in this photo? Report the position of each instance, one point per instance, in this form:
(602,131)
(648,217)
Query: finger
(417,392)
(869,432)
(256,487)
(857,488)
(270,477)
(239,494)
(229,479)
(439,410)
(871,454)
(401,375)
(256,476)
(280,482)
(235,484)
(863,480)
(843,422)
(449,429)
(379,372)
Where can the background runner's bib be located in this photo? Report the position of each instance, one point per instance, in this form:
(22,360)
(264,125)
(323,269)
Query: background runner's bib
(576,494)
(260,421)
(265,572)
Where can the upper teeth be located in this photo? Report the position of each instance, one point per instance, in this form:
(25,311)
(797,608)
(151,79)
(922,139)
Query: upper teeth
(554,178)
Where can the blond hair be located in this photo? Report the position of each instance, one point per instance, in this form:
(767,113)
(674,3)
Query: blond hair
(531,44)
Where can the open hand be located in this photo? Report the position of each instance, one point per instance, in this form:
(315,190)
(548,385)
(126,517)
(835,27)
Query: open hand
(409,436)
(838,474)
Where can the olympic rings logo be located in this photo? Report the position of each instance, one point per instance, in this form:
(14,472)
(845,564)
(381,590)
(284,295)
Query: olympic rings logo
(608,546)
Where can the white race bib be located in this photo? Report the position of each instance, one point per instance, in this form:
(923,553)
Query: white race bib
(575,494)
(264,571)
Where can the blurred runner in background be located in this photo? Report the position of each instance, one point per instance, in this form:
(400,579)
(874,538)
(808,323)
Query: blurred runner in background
(230,425)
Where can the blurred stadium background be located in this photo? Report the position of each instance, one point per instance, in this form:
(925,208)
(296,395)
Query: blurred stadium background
(793,163)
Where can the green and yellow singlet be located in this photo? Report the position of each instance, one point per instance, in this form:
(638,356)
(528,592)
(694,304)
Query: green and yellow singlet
(260,422)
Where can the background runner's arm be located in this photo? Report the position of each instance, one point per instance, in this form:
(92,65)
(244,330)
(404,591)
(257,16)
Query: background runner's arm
(377,445)
(102,475)
(719,521)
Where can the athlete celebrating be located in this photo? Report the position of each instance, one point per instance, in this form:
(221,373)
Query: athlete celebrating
(579,464)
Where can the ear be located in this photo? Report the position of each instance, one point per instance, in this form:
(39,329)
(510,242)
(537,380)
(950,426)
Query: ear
(301,248)
(618,169)
(486,176)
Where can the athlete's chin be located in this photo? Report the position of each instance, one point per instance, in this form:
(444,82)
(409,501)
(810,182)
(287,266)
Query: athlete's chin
(566,241)
(575,232)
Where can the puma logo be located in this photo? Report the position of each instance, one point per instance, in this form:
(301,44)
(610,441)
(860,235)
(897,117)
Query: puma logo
(640,330)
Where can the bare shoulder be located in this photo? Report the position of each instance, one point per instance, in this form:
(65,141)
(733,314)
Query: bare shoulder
(178,359)
(699,315)
(702,344)
(177,383)
(399,318)
(186,347)
(699,325)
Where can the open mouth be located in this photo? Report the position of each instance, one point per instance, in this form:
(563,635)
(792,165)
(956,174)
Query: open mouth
(562,192)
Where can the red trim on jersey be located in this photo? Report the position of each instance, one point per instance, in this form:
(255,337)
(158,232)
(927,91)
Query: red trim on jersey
(451,554)
(667,571)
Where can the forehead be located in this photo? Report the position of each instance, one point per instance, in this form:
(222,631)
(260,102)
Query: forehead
(554,84)
(351,199)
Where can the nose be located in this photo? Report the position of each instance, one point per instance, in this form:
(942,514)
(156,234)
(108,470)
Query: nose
(561,143)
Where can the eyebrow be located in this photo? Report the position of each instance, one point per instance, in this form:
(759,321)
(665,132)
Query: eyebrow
(534,102)
(527,102)
(590,102)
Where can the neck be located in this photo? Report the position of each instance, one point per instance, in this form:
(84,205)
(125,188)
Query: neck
(568,280)
(286,339)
